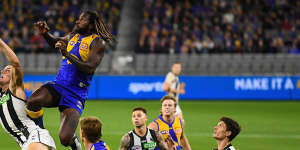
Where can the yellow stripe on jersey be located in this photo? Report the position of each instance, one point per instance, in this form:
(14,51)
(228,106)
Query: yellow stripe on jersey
(93,147)
(107,147)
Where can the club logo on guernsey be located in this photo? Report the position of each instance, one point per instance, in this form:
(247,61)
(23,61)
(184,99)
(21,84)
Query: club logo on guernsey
(4,99)
(72,43)
(164,132)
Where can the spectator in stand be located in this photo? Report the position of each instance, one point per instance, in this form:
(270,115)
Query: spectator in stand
(17,18)
(222,26)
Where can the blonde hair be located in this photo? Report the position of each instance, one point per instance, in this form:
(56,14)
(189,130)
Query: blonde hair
(13,79)
(168,97)
(91,127)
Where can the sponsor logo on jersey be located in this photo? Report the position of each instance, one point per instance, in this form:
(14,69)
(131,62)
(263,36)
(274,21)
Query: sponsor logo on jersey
(84,46)
(178,130)
(4,99)
(136,147)
(150,145)
(79,105)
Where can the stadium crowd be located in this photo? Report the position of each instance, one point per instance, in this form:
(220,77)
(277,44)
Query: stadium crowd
(17,18)
(220,26)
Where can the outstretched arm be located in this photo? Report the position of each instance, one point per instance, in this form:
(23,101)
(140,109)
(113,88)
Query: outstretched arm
(9,53)
(16,84)
(125,141)
(94,58)
(43,28)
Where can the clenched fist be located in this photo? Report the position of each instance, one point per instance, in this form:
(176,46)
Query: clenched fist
(42,27)
(62,47)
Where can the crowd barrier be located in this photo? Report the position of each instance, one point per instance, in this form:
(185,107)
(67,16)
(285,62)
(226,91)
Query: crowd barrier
(197,87)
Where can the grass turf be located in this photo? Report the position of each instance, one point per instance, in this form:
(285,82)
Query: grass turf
(266,125)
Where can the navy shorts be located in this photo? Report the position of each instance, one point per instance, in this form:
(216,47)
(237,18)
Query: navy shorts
(68,98)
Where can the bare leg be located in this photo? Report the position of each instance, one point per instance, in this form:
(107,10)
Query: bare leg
(37,146)
(41,98)
(69,121)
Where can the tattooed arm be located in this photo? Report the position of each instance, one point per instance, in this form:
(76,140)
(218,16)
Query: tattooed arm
(125,141)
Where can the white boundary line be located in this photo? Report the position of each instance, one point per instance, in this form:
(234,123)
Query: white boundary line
(250,135)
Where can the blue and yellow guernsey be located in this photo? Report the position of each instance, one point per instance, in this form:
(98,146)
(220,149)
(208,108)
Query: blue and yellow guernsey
(100,146)
(69,75)
(174,129)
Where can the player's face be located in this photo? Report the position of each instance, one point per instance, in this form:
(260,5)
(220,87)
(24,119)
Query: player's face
(176,69)
(82,24)
(168,107)
(5,75)
(220,132)
(139,118)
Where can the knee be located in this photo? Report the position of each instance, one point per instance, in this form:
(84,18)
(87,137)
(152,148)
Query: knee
(65,139)
(31,101)
(33,104)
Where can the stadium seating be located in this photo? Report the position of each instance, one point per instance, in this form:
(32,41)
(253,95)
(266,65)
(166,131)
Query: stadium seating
(192,64)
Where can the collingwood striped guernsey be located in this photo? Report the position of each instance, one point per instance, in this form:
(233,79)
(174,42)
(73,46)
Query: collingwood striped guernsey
(228,147)
(175,84)
(147,142)
(13,117)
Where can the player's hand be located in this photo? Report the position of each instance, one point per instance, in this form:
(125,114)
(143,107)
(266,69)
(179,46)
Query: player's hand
(42,27)
(62,47)
(182,85)
(171,144)
(181,88)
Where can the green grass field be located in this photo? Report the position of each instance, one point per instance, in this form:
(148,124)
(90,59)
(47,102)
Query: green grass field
(265,125)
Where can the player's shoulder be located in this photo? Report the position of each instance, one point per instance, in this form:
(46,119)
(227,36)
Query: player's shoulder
(153,125)
(170,74)
(229,147)
(99,42)
(126,136)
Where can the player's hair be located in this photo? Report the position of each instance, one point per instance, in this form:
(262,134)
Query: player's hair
(231,125)
(168,97)
(91,127)
(100,27)
(176,62)
(13,78)
(141,109)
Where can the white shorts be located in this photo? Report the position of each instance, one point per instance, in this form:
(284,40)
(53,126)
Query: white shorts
(178,110)
(39,135)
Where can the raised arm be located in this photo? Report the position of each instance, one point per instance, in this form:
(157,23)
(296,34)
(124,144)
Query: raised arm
(43,28)
(125,141)
(10,55)
(94,58)
(16,84)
